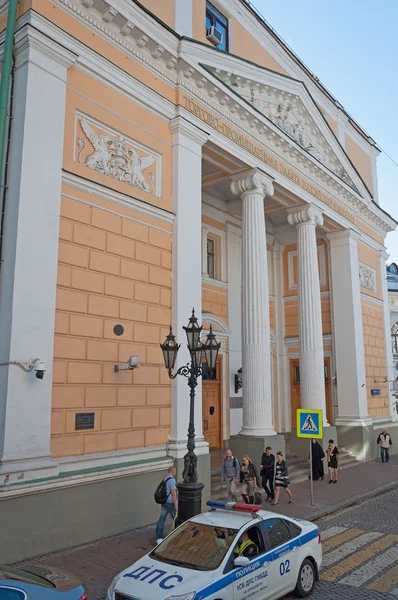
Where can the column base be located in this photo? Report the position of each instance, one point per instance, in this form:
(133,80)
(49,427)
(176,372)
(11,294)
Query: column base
(254,446)
(358,438)
(300,446)
(21,470)
(189,501)
(204,467)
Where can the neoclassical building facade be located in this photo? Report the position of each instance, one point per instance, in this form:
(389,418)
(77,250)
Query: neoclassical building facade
(165,155)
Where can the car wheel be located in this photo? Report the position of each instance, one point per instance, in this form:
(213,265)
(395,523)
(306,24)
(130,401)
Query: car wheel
(306,579)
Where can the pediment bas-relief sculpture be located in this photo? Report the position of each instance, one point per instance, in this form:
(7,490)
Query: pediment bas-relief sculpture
(288,113)
(118,157)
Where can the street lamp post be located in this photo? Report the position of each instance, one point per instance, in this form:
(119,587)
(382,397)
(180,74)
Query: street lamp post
(190,490)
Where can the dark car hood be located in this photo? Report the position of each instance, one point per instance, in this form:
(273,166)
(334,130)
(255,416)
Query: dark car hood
(49,577)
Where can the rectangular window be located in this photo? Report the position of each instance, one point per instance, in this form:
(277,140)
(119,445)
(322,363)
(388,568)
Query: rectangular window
(211,258)
(215,19)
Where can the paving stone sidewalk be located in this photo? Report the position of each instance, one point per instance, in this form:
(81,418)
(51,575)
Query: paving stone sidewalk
(97,563)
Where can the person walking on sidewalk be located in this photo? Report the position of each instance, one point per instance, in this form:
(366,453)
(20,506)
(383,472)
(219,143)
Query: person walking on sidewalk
(249,479)
(230,472)
(281,478)
(333,461)
(317,461)
(268,473)
(170,506)
(384,441)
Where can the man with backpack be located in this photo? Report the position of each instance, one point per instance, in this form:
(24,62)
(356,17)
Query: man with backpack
(166,496)
(231,472)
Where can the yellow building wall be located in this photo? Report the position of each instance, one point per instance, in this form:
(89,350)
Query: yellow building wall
(111,270)
(375,358)
(162,9)
(244,45)
(361,160)
(199,21)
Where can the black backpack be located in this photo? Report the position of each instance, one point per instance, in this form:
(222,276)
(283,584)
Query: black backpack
(160,494)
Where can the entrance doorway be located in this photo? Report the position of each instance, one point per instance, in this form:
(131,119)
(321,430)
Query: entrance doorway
(295,390)
(212,405)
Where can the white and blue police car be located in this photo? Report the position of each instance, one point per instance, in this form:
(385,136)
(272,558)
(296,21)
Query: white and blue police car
(232,552)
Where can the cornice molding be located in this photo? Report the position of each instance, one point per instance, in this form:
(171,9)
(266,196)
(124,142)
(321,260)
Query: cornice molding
(90,187)
(180,126)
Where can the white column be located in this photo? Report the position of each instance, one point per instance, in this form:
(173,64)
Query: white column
(187,142)
(347,329)
(234,259)
(30,251)
(283,404)
(312,377)
(387,331)
(257,393)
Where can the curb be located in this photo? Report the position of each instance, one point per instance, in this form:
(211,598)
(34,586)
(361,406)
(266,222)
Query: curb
(323,512)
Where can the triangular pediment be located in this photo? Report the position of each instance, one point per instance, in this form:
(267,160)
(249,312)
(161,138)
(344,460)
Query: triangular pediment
(290,107)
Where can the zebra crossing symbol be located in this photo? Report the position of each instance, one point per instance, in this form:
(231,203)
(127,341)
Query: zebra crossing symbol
(309,423)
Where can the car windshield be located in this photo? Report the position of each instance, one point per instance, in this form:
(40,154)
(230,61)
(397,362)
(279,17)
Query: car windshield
(196,546)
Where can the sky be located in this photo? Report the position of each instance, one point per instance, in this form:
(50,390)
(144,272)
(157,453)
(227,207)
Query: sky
(352,46)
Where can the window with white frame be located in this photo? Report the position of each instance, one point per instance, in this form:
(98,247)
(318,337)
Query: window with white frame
(214,18)
(394,337)
(212,258)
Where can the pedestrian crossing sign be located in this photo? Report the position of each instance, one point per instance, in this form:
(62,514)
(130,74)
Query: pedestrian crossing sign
(309,423)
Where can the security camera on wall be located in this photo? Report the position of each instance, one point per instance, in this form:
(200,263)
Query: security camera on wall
(40,369)
(130,365)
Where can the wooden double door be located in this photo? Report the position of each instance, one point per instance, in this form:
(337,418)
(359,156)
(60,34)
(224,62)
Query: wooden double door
(212,406)
(295,390)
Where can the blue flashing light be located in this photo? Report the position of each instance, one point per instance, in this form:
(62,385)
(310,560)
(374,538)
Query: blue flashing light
(217,503)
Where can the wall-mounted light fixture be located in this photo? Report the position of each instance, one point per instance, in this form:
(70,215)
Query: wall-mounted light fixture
(130,365)
(34,363)
(238,380)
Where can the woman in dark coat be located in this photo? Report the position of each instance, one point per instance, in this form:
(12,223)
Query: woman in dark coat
(317,460)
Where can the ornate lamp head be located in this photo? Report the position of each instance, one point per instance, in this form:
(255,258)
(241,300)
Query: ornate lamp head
(170,350)
(211,349)
(193,331)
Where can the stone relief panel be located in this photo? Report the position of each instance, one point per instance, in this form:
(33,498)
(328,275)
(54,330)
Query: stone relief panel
(288,113)
(367,278)
(113,154)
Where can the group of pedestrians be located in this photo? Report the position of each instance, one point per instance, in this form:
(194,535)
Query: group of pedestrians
(273,473)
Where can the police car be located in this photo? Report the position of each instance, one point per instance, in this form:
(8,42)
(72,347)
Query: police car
(232,552)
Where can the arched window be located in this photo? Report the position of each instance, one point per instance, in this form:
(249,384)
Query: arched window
(394,337)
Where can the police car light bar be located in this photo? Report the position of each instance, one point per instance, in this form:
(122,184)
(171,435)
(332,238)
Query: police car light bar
(224,505)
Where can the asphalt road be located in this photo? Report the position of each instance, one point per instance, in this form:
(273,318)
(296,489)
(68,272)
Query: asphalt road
(360,551)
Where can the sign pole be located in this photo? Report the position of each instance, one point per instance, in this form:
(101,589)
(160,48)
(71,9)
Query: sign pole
(311,482)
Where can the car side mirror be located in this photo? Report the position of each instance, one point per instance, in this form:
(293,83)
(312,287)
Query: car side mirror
(241,561)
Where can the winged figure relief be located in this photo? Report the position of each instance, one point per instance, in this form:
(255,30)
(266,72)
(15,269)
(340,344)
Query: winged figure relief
(99,159)
(137,167)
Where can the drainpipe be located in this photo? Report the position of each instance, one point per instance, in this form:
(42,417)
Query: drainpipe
(4,100)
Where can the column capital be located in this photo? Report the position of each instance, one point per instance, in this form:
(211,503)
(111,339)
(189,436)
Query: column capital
(32,45)
(180,126)
(343,237)
(305,215)
(384,256)
(252,180)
